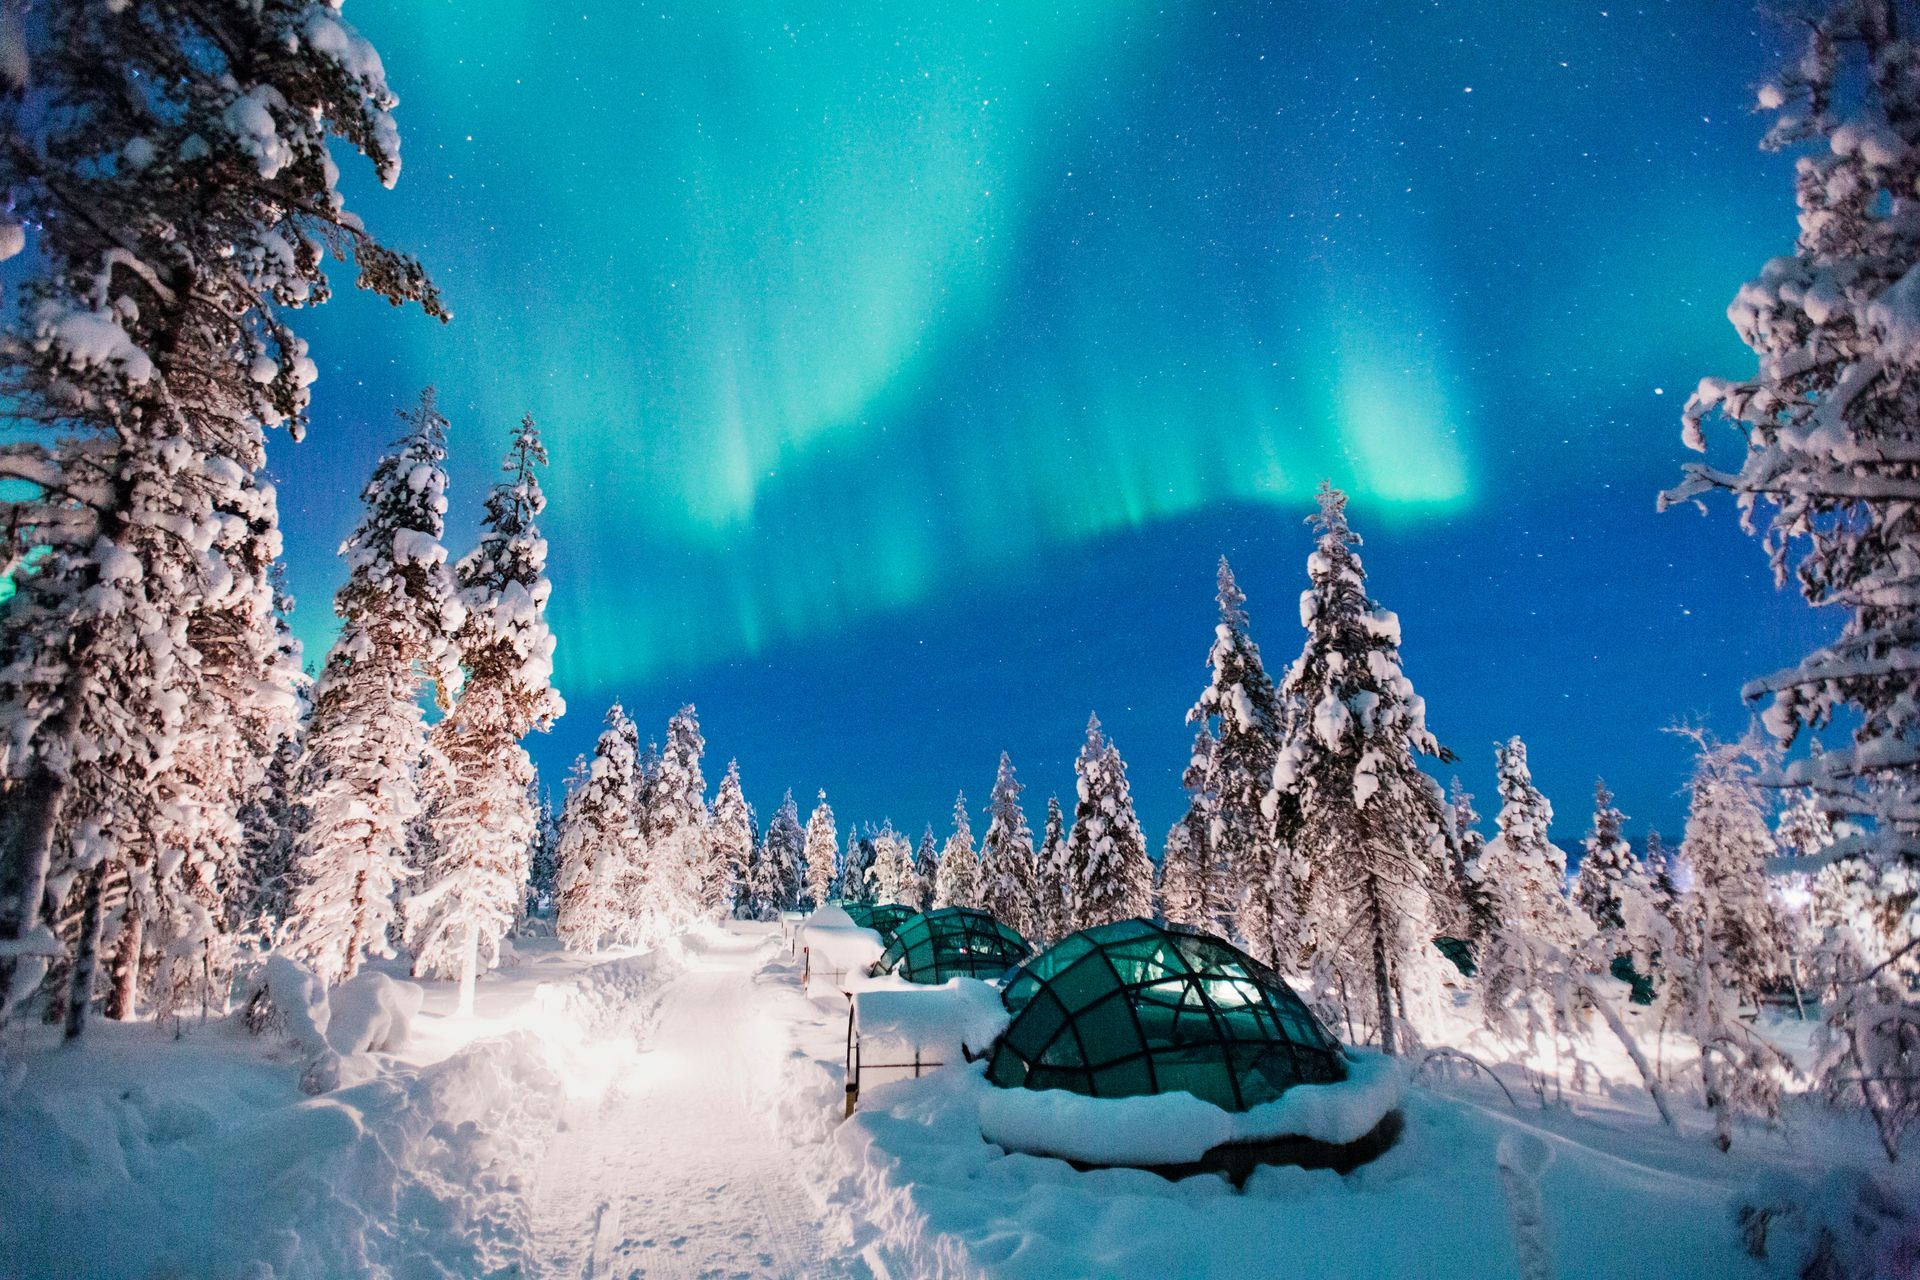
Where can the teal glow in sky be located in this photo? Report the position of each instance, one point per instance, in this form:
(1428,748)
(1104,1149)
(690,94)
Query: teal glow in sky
(885,346)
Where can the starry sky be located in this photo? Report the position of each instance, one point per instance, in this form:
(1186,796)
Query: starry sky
(907,364)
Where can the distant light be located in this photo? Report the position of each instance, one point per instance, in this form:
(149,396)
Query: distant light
(1659,391)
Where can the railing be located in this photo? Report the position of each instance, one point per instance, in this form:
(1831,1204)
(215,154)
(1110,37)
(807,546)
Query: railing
(857,1067)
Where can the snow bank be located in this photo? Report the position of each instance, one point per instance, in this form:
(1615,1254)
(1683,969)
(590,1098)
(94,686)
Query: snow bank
(839,951)
(918,1193)
(936,1022)
(145,1156)
(372,1013)
(1178,1128)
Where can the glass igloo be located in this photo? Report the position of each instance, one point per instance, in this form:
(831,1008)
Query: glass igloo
(1136,1008)
(884,918)
(953,942)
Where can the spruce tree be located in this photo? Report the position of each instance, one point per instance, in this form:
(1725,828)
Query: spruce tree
(892,873)
(1826,424)
(1727,846)
(144,678)
(856,877)
(1179,879)
(1050,865)
(1606,865)
(270,821)
(399,611)
(957,880)
(597,841)
(1475,907)
(1108,873)
(1009,878)
(1203,894)
(776,884)
(822,853)
(480,778)
(1240,714)
(1370,836)
(926,871)
(1534,931)
(677,876)
(733,838)
(544,861)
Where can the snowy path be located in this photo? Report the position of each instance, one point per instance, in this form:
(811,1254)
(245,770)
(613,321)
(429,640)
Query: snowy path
(675,1174)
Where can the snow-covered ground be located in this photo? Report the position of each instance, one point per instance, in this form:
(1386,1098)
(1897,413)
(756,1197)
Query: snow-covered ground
(675,1170)
(679,1113)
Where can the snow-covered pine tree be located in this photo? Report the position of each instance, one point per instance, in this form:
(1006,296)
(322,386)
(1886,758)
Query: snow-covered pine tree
(926,871)
(1827,427)
(143,682)
(856,875)
(1201,894)
(1178,883)
(597,841)
(270,821)
(733,838)
(544,860)
(822,853)
(1241,715)
(776,884)
(1370,835)
(1606,865)
(678,877)
(1009,880)
(957,880)
(1109,875)
(473,887)
(1727,846)
(1475,908)
(1050,870)
(1726,939)
(1661,871)
(1523,873)
(892,873)
(399,611)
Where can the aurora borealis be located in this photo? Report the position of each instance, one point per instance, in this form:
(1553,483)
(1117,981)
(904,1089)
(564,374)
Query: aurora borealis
(905,366)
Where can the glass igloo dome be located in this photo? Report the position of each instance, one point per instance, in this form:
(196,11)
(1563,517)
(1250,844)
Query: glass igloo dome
(953,942)
(1134,1008)
(884,918)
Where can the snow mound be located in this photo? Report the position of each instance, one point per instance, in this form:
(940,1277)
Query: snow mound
(147,1156)
(372,1013)
(839,951)
(1178,1128)
(937,1022)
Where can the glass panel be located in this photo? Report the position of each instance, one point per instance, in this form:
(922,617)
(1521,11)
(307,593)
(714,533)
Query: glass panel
(1084,983)
(1123,1079)
(1107,1029)
(1199,1071)
(1032,1030)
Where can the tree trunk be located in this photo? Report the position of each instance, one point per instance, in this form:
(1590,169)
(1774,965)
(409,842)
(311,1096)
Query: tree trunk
(42,795)
(124,1000)
(29,850)
(357,936)
(469,970)
(1382,983)
(23,876)
(86,953)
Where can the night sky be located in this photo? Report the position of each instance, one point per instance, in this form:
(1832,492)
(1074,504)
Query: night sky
(906,366)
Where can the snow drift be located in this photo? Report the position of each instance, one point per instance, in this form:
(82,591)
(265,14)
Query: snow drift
(203,1156)
(1178,1128)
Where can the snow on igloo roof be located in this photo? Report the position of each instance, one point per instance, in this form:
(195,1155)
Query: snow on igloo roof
(953,942)
(1135,1008)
